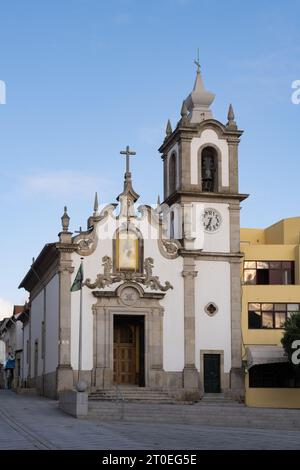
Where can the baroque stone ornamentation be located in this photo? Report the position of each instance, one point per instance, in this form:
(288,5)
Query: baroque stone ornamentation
(86,242)
(109,277)
(169,248)
(129,296)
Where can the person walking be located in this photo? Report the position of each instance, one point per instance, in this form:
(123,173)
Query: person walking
(9,369)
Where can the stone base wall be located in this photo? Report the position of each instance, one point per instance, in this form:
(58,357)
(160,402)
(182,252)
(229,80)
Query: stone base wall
(74,403)
(50,385)
(174,383)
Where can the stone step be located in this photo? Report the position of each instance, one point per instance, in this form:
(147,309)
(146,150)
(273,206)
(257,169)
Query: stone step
(217,399)
(221,417)
(132,394)
(125,396)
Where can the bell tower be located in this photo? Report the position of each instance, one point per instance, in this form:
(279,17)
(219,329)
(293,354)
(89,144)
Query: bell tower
(200,161)
(200,156)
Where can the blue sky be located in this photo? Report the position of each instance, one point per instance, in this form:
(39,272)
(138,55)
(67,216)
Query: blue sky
(85,78)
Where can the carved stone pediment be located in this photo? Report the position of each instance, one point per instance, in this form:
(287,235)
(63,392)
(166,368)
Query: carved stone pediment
(109,277)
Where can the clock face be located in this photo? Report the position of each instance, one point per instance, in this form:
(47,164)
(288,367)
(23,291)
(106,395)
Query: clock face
(212,220)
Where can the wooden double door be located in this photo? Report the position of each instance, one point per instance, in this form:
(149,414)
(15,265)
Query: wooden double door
(129,339)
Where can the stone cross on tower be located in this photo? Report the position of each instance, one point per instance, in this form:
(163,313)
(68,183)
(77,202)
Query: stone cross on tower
(128,154)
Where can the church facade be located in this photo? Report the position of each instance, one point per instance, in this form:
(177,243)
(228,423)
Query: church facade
(160,301)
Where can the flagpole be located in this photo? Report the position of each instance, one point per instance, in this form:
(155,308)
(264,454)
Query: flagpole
(80,337)
(81,385)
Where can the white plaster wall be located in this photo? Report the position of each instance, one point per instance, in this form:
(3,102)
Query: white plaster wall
(52,325)
(218,241)
(19,336)
(173,303)
(36,315)
(10,338)
(167,270)
(213,333)
(25,365)
(209,136)
(92,265)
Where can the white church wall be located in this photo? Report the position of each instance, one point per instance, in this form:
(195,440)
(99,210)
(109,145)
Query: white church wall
(36,314)
(167,270)
(52,325)
(173,303)
(218,241)
(209,136)
(213,333)
(92,265)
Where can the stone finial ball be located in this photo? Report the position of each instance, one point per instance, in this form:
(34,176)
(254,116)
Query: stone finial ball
(81,386)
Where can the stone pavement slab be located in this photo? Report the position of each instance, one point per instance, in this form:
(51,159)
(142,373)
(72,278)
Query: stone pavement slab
(32,422)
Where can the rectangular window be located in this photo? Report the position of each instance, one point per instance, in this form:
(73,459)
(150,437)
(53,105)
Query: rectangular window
(254,319)
(280,318)
(269,315)
(274,376)
(267,320)
(269,272)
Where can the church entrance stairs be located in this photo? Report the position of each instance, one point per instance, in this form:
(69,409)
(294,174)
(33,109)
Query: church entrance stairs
(132,394)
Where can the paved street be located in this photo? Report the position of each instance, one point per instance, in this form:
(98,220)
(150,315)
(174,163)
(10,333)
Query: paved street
(28,422)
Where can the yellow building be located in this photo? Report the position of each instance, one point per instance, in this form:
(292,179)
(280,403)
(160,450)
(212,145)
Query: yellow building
(271,291)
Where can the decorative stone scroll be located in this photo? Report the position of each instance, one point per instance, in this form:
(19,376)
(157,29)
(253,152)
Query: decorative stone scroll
(86,242)
(169,248)
(109,277)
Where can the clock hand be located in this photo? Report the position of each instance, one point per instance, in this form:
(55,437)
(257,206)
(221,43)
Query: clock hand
(209,223)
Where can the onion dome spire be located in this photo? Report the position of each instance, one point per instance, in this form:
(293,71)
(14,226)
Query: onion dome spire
(199,100)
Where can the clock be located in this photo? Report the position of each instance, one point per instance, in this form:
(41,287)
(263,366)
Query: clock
(211,219)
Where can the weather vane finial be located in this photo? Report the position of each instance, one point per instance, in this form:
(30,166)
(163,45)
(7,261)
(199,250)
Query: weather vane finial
(197,62)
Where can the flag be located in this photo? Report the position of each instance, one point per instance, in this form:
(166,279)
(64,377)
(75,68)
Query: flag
(77,284)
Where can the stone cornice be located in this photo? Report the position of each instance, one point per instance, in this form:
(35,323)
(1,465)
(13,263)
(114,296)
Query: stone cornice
(194,130)
(66,247)
(197,195)
(114,294)
(189,274)
(213,256)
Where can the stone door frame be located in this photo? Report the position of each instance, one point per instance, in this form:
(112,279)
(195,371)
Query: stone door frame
(110,303)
